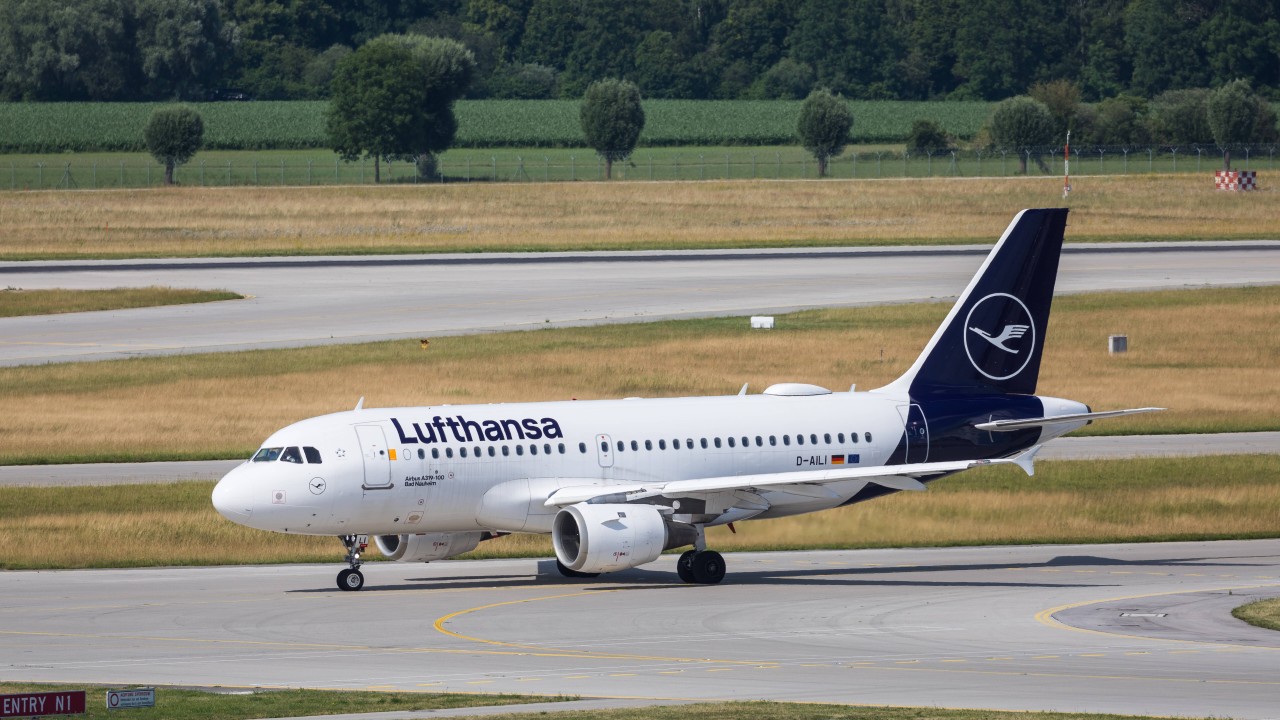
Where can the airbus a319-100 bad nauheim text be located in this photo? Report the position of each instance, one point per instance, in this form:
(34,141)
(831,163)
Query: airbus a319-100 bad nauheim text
(617,482)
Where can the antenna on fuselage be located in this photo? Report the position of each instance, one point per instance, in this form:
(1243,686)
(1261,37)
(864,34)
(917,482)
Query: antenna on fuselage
(360,403)
(743,391)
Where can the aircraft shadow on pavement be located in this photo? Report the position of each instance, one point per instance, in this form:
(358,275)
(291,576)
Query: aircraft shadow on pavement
(636,578)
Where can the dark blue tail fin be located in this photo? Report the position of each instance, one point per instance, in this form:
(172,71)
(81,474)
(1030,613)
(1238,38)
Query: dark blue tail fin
(993,338)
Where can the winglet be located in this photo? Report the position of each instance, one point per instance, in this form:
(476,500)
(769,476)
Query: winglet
(1027,460)
(360,403)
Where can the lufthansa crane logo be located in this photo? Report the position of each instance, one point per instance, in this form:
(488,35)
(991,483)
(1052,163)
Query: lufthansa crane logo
(999,336)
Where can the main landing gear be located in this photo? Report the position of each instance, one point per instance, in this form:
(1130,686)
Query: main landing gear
(700,565)
(351,578)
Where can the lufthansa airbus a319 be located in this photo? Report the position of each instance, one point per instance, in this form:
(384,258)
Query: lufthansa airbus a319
(617,482)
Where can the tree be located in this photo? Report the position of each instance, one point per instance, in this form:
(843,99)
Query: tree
(1180,117)
(377,105)
(447,68)
(825,122)
(927,135)
(182,44)
(1021,124)
(612,119)
(66,51)
(1238,116)
(173,135)
(1062,98)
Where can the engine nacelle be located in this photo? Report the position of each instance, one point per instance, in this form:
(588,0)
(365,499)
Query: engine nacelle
(603,538)
(426,547)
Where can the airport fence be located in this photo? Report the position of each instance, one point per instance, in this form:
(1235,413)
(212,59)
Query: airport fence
(666,164)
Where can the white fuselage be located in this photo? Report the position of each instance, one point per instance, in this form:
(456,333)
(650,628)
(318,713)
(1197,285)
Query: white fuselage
(488,467)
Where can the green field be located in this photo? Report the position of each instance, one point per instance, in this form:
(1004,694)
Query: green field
(85,127)
(309,167)
(1263,613)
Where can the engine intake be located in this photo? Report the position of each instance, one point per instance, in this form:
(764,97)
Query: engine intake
(593,538)
(427,547)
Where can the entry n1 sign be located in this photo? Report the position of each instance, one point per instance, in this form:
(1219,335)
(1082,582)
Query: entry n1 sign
(28,705)
(122,699)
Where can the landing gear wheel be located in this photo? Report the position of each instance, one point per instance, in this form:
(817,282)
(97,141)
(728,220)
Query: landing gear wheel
(571,573)
(684,566)
(708,567)
(350,579)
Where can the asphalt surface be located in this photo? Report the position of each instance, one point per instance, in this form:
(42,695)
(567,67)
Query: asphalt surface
(1092,628)
(1069,448)
(307,301)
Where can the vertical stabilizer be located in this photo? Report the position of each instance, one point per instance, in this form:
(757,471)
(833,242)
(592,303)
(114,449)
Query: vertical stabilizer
(993,338)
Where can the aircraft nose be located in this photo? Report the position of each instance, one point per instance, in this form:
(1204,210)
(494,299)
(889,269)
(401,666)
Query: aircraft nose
(230,498)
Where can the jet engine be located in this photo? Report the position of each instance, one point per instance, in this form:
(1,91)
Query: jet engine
(602,538)
(428,546)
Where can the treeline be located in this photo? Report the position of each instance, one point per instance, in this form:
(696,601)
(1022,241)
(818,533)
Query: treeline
(695,49)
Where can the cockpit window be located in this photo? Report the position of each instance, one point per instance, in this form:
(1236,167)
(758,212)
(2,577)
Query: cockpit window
(313,455)
(267,455)
(292,455)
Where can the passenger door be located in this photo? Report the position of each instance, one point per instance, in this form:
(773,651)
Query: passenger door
(377,461)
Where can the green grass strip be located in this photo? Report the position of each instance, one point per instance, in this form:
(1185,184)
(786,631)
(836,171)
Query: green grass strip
(178,704)
(15,301)
(1263,613)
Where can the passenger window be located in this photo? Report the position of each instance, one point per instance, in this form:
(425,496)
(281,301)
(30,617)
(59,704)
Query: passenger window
(267,455)
(313,455)
(853,438)
(582,447)
(635,445)
(704,443)
(559,447)
(533,449)
(448,452)
(867,437)
(826,438)
(813,439)
(621,446)
(546,448)
(773,440)
(731,441)
(648,444)
(492,452)
(759,441)
(662,444)
(506,451)
(716,442)
(746,441)
(604,446)
(688,442)
(675,444)
(435,453)
(840,438)
(292,455)
(462,452)
(799,439)
(520,450)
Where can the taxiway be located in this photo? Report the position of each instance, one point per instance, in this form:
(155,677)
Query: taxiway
(1091,628)
(308,301)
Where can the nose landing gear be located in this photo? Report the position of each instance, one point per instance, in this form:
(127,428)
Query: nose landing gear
(351,578)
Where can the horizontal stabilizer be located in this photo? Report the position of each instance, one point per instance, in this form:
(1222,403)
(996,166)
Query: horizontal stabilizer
(1011,425)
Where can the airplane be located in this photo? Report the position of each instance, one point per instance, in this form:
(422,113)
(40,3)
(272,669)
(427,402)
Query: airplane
(617,482)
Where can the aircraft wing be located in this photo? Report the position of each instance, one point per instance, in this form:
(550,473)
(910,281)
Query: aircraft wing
(1011,425)
(898,477)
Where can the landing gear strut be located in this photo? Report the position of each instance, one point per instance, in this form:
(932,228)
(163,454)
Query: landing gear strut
(700,565)
(351,578)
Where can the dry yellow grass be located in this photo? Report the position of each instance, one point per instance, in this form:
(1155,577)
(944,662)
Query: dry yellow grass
(15,302)
(1220,377)
(238,221)
(1102,501)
